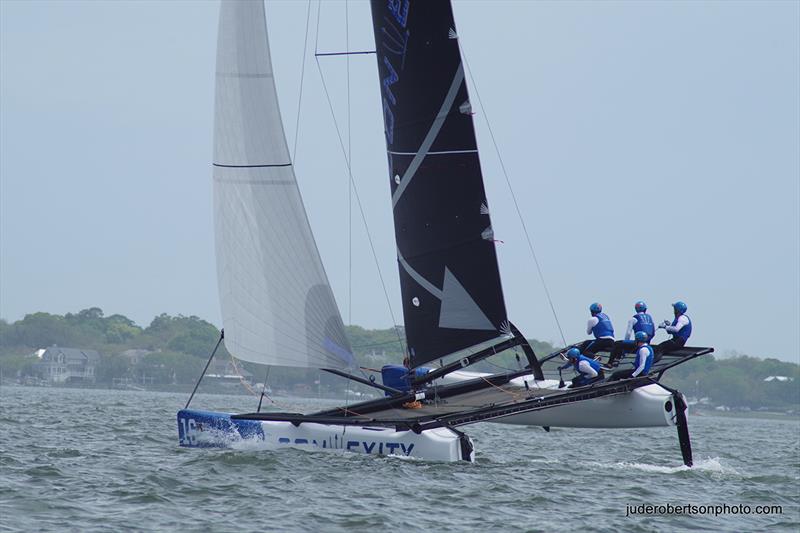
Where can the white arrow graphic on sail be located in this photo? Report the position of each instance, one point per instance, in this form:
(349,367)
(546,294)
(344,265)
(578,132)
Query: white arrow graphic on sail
(458,309)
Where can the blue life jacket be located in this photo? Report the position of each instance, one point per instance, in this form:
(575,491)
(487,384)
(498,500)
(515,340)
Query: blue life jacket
(644,322)
(603,327)
(594,364)
(648,363)
(686,331)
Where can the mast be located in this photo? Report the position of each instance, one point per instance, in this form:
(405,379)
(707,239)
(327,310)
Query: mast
(449,278)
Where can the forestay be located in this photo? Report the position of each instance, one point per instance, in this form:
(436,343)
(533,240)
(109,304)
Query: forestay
(450,284)
(277,304)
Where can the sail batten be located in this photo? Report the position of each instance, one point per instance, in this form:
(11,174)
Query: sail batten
(277,305)
(449,279)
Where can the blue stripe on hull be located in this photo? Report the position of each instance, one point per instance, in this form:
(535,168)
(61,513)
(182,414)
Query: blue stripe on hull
(206,429)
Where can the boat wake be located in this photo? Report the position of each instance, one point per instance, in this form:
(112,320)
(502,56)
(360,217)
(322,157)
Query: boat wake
(711,465)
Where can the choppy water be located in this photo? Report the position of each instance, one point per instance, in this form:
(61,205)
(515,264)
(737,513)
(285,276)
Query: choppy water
(84,460)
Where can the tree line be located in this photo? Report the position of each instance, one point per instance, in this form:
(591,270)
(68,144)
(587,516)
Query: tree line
(175,348)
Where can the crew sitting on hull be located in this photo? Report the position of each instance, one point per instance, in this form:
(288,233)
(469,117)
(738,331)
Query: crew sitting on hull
(643,361)
(588,370)
(680,329)
(599,326)
(641,321)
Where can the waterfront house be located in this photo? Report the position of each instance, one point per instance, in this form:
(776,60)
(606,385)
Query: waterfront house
(68,365)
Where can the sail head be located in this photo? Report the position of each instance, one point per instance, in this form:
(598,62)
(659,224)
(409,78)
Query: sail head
(277,305)
(449,278)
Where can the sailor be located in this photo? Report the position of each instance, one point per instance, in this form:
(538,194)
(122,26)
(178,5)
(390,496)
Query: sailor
(645,356)
(588,370)
(641,321)
(680,329)
(599,326)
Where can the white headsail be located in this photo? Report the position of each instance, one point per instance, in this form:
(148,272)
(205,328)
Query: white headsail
(277,304)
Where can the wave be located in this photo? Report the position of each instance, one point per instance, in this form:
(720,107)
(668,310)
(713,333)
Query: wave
(712,465)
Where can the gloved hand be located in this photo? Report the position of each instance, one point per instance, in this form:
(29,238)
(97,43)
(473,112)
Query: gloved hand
(665,323)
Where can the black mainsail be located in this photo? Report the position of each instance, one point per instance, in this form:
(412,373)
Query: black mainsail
(449,279)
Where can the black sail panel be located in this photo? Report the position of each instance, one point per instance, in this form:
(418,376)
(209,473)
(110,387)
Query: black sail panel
(450,283)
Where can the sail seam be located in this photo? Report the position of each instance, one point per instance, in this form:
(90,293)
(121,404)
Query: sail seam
(243,75)
(253,166)
(256,182)
(438,122)
(442,152)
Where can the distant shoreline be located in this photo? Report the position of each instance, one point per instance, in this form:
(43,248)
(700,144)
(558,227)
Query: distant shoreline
(763,415)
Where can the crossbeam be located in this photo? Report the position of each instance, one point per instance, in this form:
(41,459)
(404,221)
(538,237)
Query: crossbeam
(536,403)
(466,361)
(367,382)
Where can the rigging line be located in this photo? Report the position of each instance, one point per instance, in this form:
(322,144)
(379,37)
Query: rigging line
(513,197)
(341,142)
(500,366)
(266,378)
(361,209)
(349,173)
(205,369)
(302,77)
(242,380)
(316,39)
(514,396)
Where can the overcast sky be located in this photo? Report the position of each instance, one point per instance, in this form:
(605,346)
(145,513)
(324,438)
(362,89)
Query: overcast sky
(653,147)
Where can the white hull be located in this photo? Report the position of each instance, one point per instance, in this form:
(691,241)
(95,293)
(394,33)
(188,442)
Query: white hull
(648,406)
(203,429)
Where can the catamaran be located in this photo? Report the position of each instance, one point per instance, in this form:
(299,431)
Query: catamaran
(277,304)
